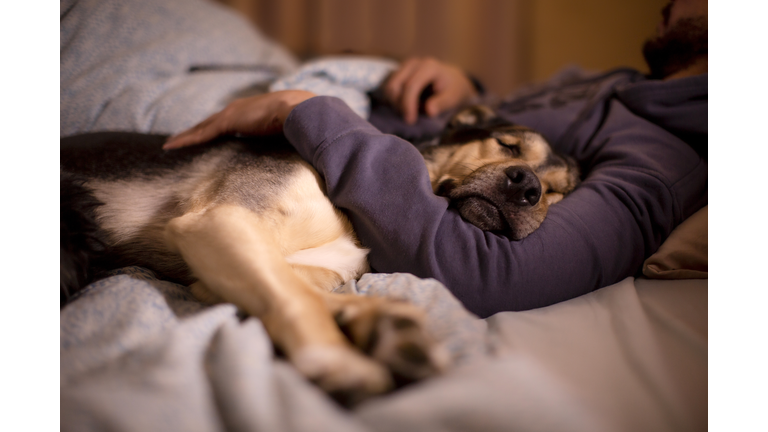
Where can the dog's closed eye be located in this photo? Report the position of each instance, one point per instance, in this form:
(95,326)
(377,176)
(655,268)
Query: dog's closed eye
(513,149)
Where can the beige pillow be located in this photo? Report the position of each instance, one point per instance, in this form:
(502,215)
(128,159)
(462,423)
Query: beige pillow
(684,254)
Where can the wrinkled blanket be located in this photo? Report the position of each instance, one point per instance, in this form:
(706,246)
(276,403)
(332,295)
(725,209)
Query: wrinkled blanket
(348,78)
(138,353)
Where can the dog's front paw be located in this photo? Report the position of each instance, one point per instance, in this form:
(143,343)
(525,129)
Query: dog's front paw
(345,374)
(394,334)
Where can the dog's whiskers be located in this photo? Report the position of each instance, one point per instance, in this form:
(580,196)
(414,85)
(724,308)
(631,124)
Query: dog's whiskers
(469,167)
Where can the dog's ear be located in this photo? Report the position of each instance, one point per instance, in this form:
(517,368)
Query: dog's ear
(473,116)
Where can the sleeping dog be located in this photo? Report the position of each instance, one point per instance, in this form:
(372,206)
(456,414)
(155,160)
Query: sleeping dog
(248,223)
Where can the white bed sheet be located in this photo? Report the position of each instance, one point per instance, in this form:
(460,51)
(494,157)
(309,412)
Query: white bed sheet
(630,357)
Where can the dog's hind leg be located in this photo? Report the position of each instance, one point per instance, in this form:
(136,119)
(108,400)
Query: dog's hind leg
(236,258)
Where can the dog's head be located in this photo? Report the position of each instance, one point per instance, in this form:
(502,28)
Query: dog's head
(501,177)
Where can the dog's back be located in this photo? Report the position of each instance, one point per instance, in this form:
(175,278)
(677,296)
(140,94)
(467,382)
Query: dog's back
(125,190)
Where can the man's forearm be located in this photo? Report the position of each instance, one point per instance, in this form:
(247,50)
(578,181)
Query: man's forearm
(595,237)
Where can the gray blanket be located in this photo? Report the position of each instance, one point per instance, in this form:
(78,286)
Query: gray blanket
(142,354)
(139,354)
(157,66)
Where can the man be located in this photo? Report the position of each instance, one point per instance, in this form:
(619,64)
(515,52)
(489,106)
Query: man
(632,136)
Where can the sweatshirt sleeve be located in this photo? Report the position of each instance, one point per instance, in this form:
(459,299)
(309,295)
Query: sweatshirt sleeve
(598,235)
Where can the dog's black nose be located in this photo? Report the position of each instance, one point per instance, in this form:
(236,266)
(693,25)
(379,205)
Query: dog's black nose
(522,186)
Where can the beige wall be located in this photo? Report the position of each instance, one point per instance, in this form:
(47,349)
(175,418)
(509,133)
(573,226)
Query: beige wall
(505,43)
(595,34)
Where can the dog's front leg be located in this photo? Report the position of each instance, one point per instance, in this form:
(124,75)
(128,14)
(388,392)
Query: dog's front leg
(234,256)
(393,332)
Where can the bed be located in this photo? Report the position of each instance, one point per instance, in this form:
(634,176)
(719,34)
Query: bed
(139,353)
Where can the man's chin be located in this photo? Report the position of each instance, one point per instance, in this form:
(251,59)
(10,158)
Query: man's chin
(678,48)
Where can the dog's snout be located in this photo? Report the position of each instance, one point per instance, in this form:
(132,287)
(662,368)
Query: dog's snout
(522,186)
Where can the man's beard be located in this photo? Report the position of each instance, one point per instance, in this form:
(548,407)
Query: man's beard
(679,48)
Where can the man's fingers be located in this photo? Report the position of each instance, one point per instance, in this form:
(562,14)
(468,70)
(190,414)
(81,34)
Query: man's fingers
(404,87)
(185,140)
(450,90)
(418,81)
(256,115)
(393,89)
(205,131)
(440,102)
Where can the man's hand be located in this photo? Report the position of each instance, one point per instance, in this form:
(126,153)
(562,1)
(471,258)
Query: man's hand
(257,115)
(450,86)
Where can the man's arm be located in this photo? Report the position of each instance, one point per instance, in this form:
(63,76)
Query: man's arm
(598,235)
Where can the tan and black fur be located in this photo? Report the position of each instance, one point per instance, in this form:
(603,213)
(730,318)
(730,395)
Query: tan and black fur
(248,223)
(501,177)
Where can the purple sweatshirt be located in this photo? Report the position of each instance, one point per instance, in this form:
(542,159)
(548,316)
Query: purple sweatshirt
(641,179)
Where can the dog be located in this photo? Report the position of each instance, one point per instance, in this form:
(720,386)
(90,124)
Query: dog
(246,221)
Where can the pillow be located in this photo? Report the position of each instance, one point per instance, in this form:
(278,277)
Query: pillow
(684,254)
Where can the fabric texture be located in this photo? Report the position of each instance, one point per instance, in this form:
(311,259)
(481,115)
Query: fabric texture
(138,353)
(157,66)
(349,78)
(684,255)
